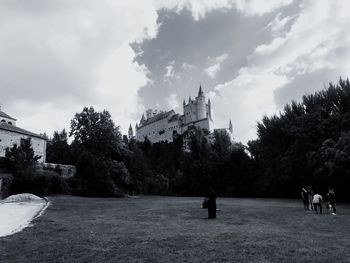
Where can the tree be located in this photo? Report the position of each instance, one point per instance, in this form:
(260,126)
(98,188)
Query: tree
(96,132)
(287,143)
(331,165)
(58,149)
(19,158)
(92,177)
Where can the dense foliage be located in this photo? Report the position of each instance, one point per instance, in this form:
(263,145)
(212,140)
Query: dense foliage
(58,150)
(191,165)
(308,143)
(20,161)
(19,158)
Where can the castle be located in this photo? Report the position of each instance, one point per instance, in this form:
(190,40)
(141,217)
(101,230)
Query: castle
(160,126)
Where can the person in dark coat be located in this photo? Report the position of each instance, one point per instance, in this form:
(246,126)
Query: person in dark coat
(305,198)
(211,204)
(310,194)
(331,200)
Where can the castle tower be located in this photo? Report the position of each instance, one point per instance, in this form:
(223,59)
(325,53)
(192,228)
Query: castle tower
(209,110)
(142,119)
(130,133)
(201,108)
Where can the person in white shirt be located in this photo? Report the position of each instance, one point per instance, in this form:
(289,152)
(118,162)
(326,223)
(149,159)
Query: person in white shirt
(317,201)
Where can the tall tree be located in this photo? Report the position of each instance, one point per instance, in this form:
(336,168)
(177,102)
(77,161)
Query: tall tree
(285,142)
(96,132)
(19,158)
(58,149)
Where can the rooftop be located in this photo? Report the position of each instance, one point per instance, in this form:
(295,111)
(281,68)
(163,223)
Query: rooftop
(11,128)
(157,117)
(4,115)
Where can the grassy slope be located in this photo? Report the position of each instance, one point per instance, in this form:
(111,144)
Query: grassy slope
(169,229)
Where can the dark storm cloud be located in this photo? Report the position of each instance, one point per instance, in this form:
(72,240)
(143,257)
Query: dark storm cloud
(190,47)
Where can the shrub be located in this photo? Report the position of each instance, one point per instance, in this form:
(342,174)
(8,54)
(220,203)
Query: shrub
(40,183)
(93,178)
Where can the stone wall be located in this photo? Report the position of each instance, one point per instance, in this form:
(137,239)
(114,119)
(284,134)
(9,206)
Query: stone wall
(8,139)
(161,130)
(64,170)
(5,183)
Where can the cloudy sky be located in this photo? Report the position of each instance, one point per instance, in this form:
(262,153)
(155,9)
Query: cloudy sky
(250,56)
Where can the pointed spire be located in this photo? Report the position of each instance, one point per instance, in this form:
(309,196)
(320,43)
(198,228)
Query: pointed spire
(184,103)
(230,126)
(143,118)
(209,102)
(131,132)
(189,99)
(200,91)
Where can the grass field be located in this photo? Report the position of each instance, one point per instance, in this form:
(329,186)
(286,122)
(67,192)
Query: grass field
(171,229)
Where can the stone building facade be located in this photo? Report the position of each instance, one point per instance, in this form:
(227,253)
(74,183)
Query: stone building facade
(10,134)
(160,126)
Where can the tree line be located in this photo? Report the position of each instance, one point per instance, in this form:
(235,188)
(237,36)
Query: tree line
(307,143)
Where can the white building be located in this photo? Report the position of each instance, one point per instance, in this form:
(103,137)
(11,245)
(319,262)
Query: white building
(10,134)
(163,126)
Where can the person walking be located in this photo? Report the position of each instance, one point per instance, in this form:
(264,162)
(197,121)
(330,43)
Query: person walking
(305,198)
(310,194)
(331,200)
(317,202)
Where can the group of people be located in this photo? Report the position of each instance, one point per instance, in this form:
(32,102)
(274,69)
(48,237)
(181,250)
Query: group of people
(313,201)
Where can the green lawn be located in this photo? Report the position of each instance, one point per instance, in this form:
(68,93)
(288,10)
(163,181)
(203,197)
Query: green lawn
(172,229)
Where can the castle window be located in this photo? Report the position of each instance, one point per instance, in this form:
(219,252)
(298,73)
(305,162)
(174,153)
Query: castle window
(10,123)
(3,121)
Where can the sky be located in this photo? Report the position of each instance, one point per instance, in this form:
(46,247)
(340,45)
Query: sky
(250,56)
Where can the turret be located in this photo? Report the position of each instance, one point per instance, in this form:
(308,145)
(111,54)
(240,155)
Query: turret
(149,113)
(200,91)
(131,132)
(201,108)
(142,119)
(230,127)
(209,110)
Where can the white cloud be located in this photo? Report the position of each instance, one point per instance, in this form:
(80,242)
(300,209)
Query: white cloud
(170,73)
(279,24)
(215,68)
(318,40)
(258,7)
(172,101)
(201,8)
(187,66)
(58,56)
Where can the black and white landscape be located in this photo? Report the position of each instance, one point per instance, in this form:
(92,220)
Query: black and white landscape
(174,131)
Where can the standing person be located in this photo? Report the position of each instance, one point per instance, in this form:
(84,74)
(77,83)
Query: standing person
(317,201)
(211,204)
(331,199)
(305,198)
(310,194)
